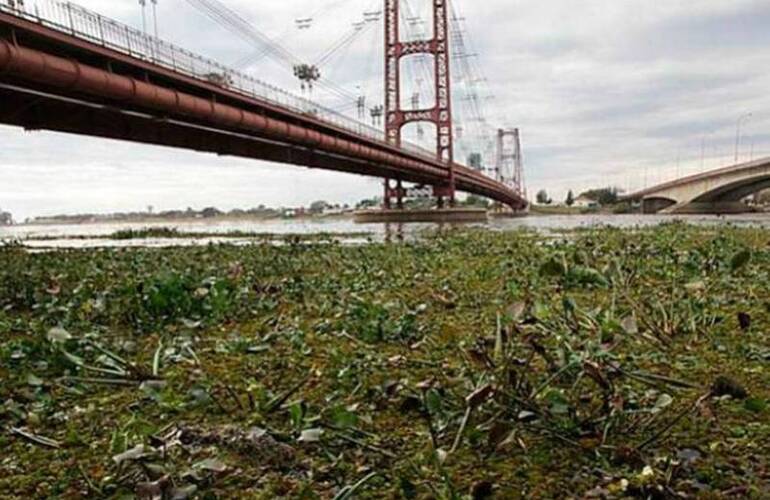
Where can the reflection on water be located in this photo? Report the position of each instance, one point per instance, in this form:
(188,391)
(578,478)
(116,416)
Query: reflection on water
(347,230)
(394,232)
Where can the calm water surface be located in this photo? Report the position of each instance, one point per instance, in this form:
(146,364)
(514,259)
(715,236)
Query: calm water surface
(343,227)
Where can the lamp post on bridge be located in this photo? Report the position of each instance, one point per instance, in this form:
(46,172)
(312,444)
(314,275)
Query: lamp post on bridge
(742,118)
(155,16)
(143,5)
(708,135)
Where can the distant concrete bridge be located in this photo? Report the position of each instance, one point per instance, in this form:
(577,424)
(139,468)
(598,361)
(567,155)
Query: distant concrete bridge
(718,191)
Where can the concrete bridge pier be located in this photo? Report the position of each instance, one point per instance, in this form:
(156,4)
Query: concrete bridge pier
(437,215)
(393,210)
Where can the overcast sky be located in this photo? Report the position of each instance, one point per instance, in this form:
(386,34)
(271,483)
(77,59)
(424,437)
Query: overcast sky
(605,91)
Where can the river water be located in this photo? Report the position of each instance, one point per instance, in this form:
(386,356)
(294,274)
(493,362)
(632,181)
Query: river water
(61,236)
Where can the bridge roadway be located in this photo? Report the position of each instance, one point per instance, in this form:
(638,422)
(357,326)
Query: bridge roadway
(52,80)
(718,191)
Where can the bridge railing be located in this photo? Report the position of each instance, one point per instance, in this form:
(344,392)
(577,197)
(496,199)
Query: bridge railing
(87,25)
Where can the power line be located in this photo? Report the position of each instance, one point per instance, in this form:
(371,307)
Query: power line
(237,25)
(257,56)
(229,19)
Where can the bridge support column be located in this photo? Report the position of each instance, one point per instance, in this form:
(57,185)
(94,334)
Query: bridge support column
(386,195)
(444,193)
(390,192)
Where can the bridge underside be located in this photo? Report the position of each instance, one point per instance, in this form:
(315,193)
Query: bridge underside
(652,206)
(721,191)
(34,110)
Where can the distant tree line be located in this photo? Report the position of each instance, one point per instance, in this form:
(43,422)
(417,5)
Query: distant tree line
(262,211)
(602,196)
(189,213)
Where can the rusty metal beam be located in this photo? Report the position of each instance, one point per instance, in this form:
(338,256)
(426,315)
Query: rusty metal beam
(37,111)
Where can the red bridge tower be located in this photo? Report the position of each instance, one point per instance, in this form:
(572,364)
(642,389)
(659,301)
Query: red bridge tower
(440,113)
(509,167)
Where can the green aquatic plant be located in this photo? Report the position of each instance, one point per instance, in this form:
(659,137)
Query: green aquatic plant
(466,363)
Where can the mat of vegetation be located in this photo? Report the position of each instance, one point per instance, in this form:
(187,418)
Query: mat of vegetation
(605,364)
(174,233)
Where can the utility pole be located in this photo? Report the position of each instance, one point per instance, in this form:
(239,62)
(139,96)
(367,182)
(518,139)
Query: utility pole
(742,118)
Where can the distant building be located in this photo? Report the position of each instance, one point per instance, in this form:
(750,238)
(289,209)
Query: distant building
(583,201)
(336,210)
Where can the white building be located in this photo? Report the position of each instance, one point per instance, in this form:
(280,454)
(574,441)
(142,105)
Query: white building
(583,201)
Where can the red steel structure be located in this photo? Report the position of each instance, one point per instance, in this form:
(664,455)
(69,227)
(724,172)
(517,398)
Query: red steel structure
(79,80)
(509,166)
(440,113)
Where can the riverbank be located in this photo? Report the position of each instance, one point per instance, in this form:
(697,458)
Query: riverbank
(558,210)
(341,229)
(609,363)
(155,220)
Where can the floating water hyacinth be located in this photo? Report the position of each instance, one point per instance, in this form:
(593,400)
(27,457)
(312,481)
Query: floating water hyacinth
(466,364)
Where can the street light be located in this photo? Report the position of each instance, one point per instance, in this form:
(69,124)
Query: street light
(155,16)
(738,133)
(703,149)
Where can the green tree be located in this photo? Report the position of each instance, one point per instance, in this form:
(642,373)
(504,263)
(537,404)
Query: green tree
(6,219)
(570,199)
(318,206)
(603,196)
(476,201)
(542,197)
(210,212)
(369,203)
